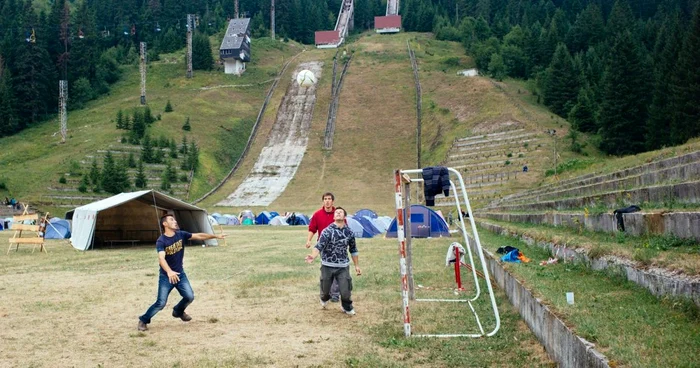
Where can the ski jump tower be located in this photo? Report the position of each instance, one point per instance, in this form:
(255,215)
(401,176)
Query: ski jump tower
(344,24)
(391,22)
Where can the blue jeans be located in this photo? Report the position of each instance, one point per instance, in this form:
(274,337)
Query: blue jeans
(164,289)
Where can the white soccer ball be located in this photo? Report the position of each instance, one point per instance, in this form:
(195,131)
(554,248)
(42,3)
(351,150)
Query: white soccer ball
(306,78)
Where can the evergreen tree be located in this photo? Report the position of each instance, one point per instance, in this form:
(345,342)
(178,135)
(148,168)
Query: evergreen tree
(202,58)
(147,154)
(582,115)
(120,119)
(561,83)
(496,67)
(588,30)
(140,181)
(187,127)
(620,19)
(109,181)
(95,174)
(8,118)
(623,112)
(138,126)
(173,148)
(183,147)
(685,87)
(80,93)
(165,183)
(82,188)
(168,107)
(661,113)
(131,162)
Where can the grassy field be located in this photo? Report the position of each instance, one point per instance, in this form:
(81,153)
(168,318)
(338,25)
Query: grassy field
(256,304)
(626,323)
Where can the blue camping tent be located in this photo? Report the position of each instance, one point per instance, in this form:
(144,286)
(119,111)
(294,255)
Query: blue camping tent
(57,229)
(367,213)
(425,223)
(357,229)
(264,218)
(297,219)
(367,224)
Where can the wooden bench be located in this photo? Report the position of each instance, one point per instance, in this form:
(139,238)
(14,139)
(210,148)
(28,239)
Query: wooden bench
(39,229)
(122,241)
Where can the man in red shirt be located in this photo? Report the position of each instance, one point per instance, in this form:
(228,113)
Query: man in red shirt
(319,221)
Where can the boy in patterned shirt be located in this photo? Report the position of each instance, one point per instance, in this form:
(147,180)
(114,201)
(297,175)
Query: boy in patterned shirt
(335,242)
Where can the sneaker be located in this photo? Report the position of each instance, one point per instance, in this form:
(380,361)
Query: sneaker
(323,304)
(335,300)
(142,326)
(351,312)
(184,316)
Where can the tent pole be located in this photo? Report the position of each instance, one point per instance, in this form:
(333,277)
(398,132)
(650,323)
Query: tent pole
(155,208)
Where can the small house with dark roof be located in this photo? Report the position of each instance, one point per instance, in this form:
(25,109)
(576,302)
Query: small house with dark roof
(235,48)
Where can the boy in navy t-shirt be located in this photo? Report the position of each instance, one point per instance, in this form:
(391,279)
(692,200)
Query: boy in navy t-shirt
(171,250)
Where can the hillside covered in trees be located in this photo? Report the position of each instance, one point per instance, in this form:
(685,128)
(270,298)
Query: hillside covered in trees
(86,41)
(626,70)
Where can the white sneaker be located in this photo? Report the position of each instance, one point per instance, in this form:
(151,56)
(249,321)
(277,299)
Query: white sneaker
(350,312)
(323,304)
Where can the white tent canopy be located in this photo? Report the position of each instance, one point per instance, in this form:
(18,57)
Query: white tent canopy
(134,217)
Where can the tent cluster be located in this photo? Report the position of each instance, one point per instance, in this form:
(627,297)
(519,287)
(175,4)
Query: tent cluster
(247,217)
(366,223)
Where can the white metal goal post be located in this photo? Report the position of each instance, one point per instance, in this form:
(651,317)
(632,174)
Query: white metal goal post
(402,182)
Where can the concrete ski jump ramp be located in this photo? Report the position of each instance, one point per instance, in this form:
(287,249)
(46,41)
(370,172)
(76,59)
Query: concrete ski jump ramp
(284,149)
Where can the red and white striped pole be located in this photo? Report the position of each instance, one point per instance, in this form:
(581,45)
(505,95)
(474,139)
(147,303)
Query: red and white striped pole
(402,252)
(458,276)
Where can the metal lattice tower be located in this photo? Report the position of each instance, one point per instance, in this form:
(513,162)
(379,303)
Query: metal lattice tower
(142,69)
(272,19)
(62,98)
(190,31)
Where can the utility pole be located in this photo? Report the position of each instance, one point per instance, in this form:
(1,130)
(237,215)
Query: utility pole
(553,133)
(272,18)
(142,69)
(62,98)
(190,30)
(236,9)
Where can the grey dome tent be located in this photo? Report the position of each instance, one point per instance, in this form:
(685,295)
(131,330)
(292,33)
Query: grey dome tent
(134,217)
(425,223)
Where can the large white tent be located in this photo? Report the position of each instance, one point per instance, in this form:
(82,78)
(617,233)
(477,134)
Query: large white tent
(133,217)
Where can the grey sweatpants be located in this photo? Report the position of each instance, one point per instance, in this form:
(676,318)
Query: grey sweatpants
(342,277)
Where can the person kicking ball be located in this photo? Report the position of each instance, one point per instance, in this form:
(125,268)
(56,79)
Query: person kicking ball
(333,245)
(171,251)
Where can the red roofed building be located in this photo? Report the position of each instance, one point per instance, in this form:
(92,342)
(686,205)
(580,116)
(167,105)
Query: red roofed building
(327,39)
(387,24)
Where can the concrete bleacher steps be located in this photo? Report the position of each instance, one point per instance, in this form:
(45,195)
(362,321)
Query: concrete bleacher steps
(688,192)
(487,140)
(499,153)
(680,173)
(685,165)
(680,224)
(659,282)
(494,145)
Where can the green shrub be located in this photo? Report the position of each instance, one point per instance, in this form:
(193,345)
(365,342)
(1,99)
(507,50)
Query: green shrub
(62,179)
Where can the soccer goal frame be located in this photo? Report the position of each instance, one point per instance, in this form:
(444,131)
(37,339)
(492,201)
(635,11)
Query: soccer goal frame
(402,186)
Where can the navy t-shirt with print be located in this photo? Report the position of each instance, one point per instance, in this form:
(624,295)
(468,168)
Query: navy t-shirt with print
(174,248)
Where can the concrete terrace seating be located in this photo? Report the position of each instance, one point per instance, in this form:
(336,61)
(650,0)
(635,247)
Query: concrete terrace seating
(665,182)
(677,168)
